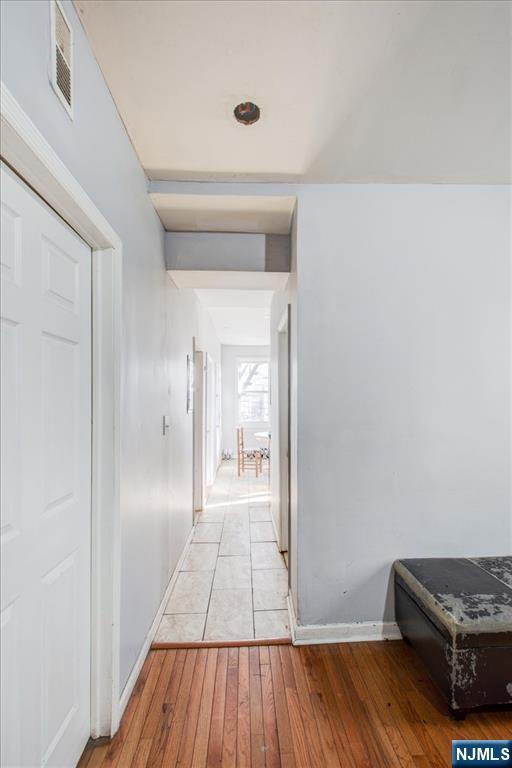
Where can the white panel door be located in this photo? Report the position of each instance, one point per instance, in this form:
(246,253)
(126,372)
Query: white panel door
(46,483)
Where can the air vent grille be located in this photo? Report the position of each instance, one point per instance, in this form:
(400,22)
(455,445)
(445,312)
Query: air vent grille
(63,45)
(63,77)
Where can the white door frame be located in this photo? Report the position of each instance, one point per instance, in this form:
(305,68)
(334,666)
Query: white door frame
(199,431)
(210,423)
(283,425)
(25,149)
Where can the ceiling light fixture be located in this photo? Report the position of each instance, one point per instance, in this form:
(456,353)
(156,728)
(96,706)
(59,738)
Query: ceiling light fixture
(247,113)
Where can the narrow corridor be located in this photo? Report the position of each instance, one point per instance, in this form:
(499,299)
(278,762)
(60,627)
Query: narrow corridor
(232,584)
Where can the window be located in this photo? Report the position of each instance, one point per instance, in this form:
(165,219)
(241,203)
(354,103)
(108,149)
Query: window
(253,390)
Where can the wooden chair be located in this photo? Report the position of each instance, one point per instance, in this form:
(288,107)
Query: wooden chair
(264,450)
(247,457)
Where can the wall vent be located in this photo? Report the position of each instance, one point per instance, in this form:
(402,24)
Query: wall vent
(62,56)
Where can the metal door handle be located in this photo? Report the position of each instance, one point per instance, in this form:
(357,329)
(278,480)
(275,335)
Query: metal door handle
(165,426)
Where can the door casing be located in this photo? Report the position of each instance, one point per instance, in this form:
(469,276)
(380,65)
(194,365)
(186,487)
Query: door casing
(199,431)
(46,305)
(283,380)
(26,151)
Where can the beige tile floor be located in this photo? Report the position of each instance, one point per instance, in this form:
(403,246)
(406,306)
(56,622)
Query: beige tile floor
(233,580)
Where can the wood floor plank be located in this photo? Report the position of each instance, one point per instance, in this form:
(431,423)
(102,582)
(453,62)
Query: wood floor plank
(317,703)
(153,716)
(326,710)
(214,757)
(381,709)
(161,734)
(140,759)
(194,703)
(370,730)
(411,716)
(382,741)
(256,710)
(115,748)
(173,742)
(244,713)
(134,731)
(388,697)
(272,758)
(282,718)
(342,701)
(98,757)
(316,752)
(354,705)
(205,711)
(230,734)
(299,737)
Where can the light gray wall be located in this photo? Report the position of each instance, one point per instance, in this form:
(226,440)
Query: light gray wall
(215,250)
(230,355)
(187,319)
(403,385)
(231,251)
(97,150)
(277,253)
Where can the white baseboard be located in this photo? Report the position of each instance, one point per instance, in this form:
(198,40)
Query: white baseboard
(358,632)
(134,674)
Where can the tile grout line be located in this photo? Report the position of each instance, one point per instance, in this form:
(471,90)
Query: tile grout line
(213,579)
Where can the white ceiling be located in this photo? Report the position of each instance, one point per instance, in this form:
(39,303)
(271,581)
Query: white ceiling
(240,317)
(224,213)
(353,90)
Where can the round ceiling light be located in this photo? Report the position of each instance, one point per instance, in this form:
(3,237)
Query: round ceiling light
(247,113)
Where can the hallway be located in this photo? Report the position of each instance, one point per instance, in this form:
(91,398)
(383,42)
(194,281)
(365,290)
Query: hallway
(232,582)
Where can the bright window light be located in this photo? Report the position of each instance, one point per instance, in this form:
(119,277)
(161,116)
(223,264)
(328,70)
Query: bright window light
(253,391)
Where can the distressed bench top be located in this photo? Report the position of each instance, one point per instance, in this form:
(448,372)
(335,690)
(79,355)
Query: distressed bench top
(469,599)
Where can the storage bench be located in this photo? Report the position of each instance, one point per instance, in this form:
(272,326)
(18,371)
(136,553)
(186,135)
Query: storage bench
(457,614)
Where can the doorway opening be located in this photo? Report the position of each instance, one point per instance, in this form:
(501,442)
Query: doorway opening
(231,584)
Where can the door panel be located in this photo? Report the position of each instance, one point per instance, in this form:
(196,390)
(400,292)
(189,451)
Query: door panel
(59,429)
(46,480)
(60,679)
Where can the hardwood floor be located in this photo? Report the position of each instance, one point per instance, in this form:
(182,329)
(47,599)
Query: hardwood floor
(361,705)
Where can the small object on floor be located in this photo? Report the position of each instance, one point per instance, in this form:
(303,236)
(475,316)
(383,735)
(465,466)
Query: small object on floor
(457,615)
